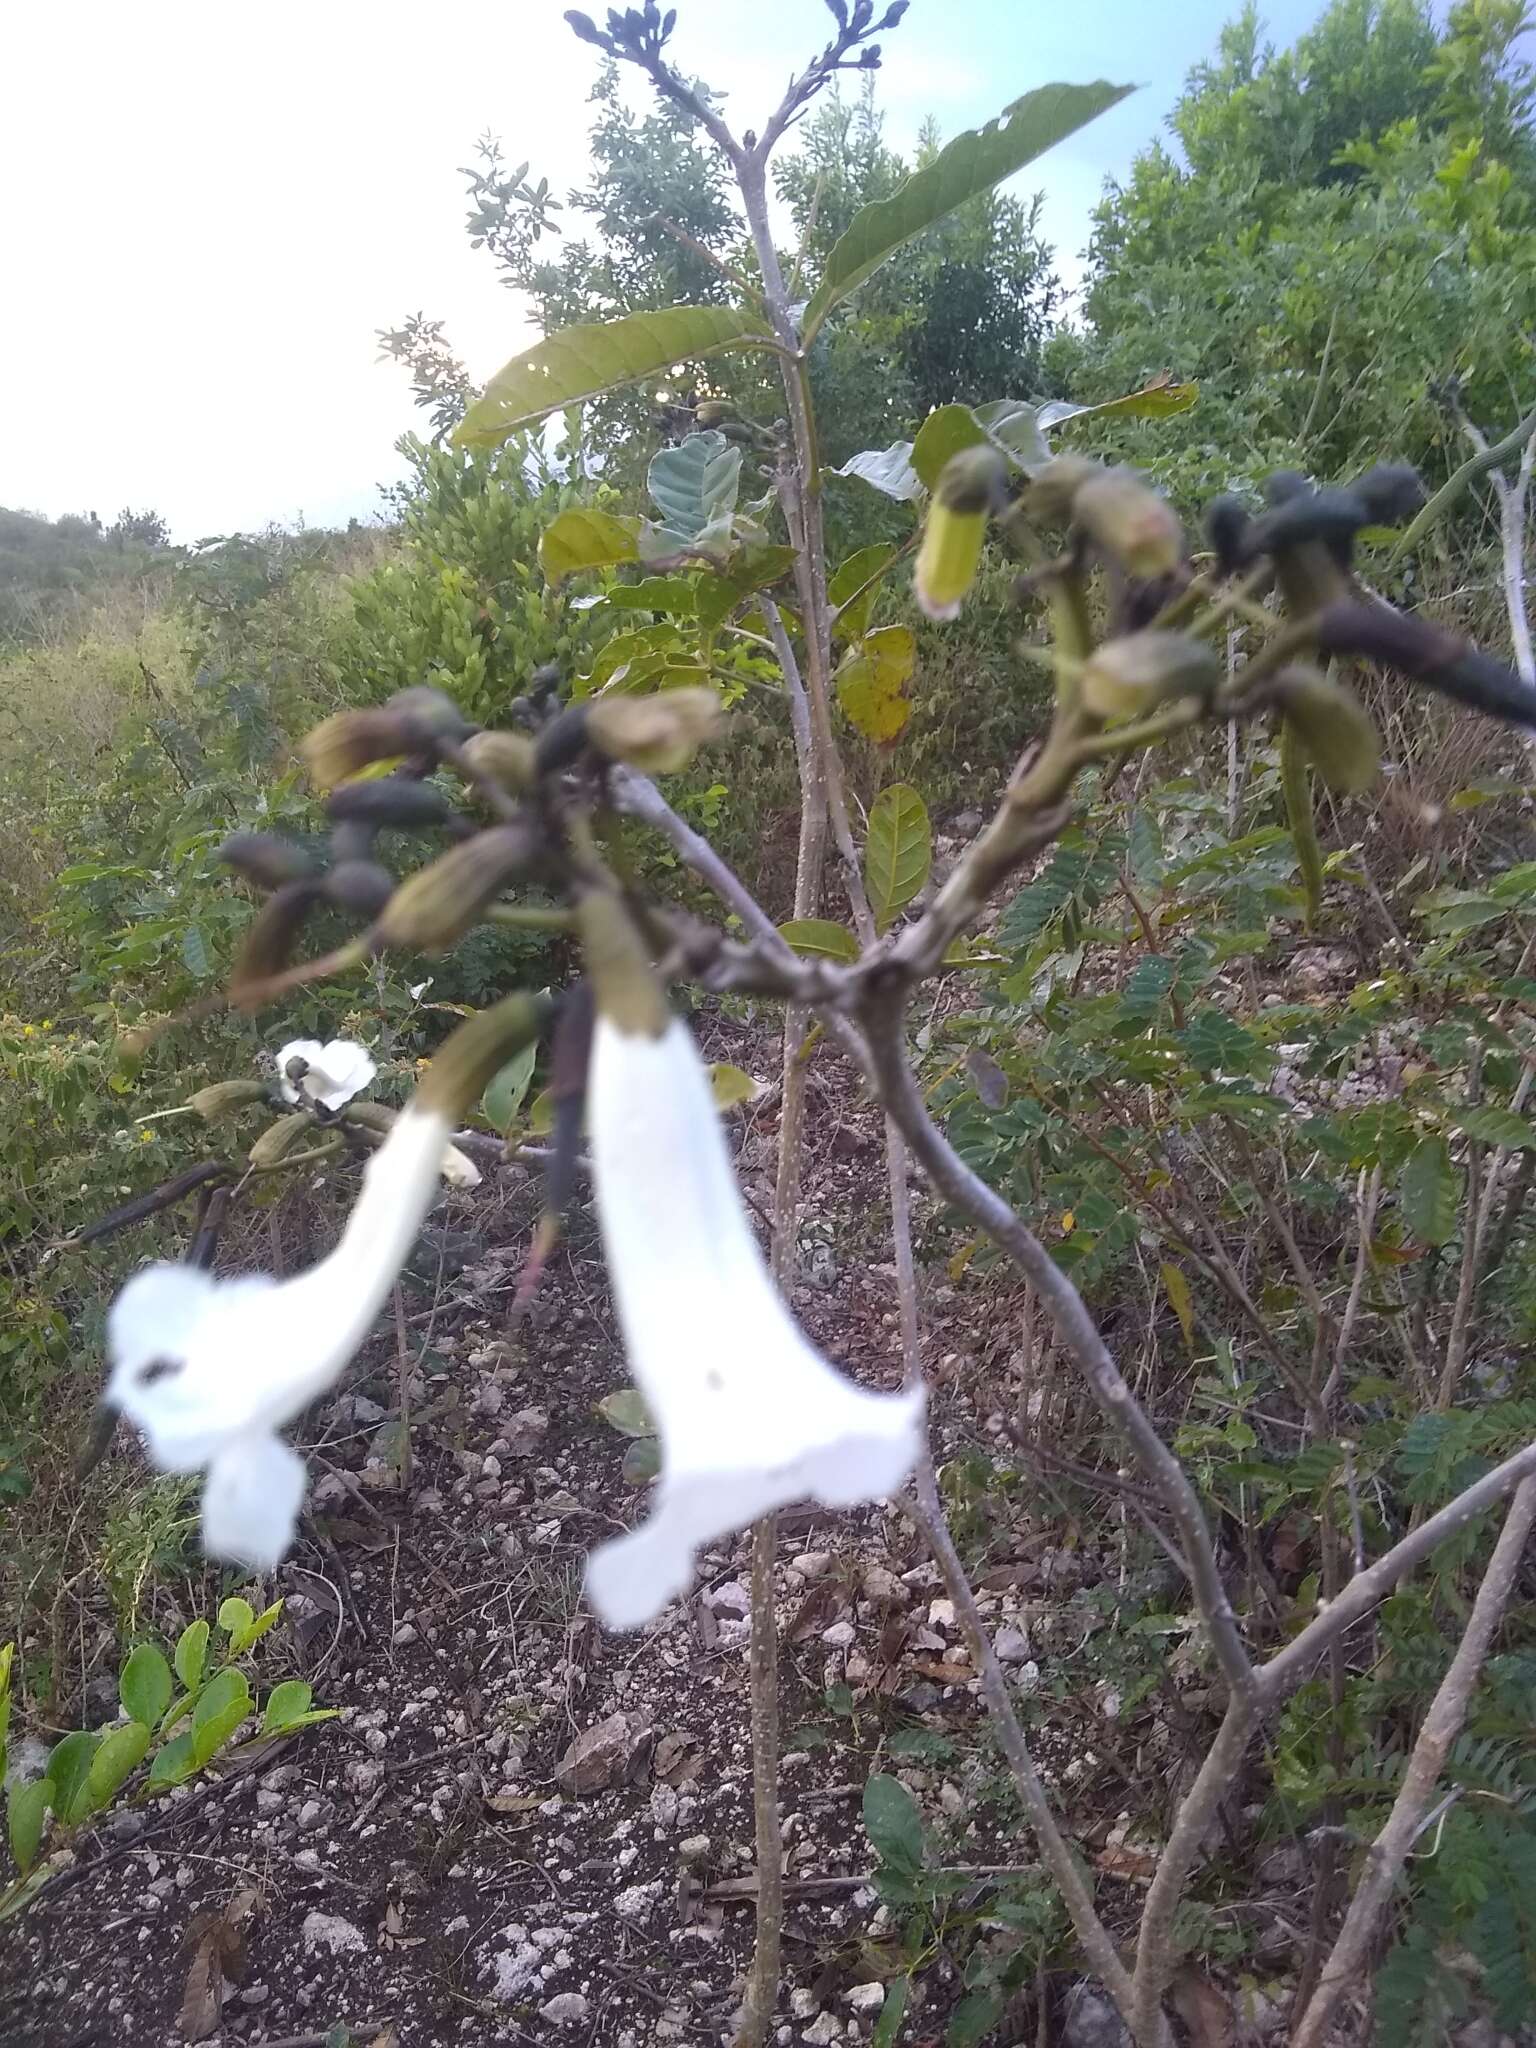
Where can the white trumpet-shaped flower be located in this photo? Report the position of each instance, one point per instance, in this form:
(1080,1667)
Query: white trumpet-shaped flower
(211,1369)
(333,1073)
(458,1169)
(750,1417)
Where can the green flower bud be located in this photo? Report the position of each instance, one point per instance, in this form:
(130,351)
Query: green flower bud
(349,740)
(624,986)
(279,1139)
(1129,678)
(714,412)
(1130,522)
(432,713)
(440,903)
(1333,726)
(659,734)
(464,1063)
(221,1100)
(970,484)
(1052,489)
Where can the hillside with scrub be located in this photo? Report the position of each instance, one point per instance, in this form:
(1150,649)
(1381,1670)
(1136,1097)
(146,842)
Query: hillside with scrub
(765,1226)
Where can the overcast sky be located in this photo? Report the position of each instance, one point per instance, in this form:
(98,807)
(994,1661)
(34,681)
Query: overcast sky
(209,209)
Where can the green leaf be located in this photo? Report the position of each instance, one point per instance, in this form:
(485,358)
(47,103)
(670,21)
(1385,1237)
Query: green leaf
(625,1411)
(192,1654)
(898,855)
(584,538)
(974,2018)
(508,1089)
(235,1617)
(892,2013)
(674,596)
(730,1085)
(642,1461)
(886,469)
(854,585)
(947,431)
(1492,1126)
(594,357)
(24,1811)
(694,485)
(69,1765)
(286,1703)
(144,1685)
(175,1761)
(1014,427)
(121,1752)
(893,1823)
(818,938)
(1159,400)
(973,163)
(223,1705)
(872,683)
(194,952)
(1428,1192)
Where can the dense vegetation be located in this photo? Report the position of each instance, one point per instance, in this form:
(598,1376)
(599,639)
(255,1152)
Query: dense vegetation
(1265,1098)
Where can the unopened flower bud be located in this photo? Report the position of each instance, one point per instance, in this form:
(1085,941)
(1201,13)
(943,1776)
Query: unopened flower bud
(432,713)
(659,734)
(440,903)
(350,740)
(1129,678)
(465,1062)
(361,886)
(1128,520)
(280,1139)
(265,859)
(507,757)
(267,948)
(221,1100)
(1052,489)
(389,800)
(714,412)
(970,484)
(1333,726)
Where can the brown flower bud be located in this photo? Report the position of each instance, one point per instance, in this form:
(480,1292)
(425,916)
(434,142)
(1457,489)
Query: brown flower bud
(440,903)
(659,734)
(265,859)
(1129,521)
(432,713)
(221,1100)
(714,412)
(1129,678)
(1333,726)
(399,801)
(1052,489)
(267,948)
(507,757)
(361,886)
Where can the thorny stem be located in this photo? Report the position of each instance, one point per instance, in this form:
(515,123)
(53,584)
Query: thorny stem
(1442,1724)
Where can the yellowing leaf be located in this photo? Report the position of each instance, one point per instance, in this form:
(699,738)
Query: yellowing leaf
(584,538)
(871,684)
(1180,1299)
(730,1085)
(818,938)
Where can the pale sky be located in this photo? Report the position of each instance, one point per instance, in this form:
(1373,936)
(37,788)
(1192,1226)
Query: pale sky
(210,209)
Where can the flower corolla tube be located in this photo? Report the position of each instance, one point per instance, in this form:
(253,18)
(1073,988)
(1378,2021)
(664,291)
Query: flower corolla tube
(749,1415)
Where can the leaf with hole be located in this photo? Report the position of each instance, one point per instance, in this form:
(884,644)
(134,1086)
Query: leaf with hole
(144,1685)
(584,538)
(818,938)
(586,360)
(694,485)
(898,852)
(966,167)
(872,683)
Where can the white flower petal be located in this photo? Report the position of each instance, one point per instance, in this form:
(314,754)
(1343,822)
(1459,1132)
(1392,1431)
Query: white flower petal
(251,1501)
(204,1366)
(749,1415)
(335,1073)
(458,1169)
